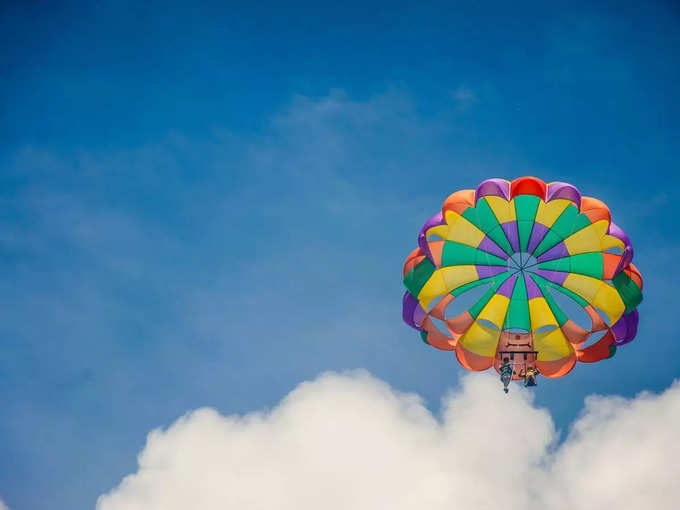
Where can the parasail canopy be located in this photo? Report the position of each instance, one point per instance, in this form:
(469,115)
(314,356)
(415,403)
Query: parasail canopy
(530,245)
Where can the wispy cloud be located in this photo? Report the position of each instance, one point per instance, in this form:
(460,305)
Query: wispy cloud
(464,97)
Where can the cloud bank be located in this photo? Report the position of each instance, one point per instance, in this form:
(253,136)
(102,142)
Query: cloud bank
(350,441)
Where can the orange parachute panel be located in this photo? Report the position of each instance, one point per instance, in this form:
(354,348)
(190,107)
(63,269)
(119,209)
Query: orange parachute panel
(634,274)
(473,361)
(436,248)
(595,209)
(460,324)
(439,310)
(435,337)
(610,262)
(597,323)
(574,333)
(412,260)
(598,351)
(556,368)
(459,201)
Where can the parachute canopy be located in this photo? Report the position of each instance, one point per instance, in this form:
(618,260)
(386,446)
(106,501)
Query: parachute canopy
(531,246)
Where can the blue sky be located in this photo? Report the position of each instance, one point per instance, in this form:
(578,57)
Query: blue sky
(207,205)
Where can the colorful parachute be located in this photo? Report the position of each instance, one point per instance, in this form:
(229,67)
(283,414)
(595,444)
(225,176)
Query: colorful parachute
(529,243)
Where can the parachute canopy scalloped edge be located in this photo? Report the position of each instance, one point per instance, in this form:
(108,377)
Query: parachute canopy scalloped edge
(525,241)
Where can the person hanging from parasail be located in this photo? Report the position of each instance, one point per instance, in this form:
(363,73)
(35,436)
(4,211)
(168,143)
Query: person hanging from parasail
(530,376)
(506,373)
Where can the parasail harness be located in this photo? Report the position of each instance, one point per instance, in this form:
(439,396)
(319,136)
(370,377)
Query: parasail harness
(520,362)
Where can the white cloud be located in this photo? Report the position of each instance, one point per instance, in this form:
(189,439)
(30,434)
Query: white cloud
(349,441)
(3,506)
